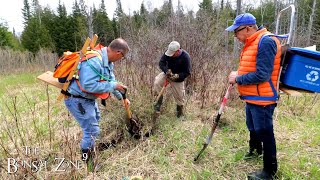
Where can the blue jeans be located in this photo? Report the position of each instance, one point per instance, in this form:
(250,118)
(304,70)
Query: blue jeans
(87,114)
(259,121)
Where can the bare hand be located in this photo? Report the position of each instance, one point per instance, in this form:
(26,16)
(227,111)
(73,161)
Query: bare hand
(232,77)
(126,102)
(121,87)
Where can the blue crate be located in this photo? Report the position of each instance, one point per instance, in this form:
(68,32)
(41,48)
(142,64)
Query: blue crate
(302,69)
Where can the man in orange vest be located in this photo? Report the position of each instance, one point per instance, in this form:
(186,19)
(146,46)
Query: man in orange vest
(256,79)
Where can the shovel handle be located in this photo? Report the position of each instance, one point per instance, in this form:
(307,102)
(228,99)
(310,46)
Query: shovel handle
(166,83)
(126,106)
(124,94)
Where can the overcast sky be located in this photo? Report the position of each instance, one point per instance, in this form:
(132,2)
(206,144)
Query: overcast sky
(12,14)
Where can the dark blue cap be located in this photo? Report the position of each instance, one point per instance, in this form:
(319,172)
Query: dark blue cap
(241,20)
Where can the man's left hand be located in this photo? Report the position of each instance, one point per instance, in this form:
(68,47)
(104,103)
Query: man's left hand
(126,102)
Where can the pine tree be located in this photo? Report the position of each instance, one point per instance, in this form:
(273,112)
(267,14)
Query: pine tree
(206,6)
(35,36)
(78,25)
(63,31)
(102,25)
(26,12)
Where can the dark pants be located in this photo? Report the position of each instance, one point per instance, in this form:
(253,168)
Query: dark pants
(259,121)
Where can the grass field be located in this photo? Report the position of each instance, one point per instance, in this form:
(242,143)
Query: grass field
(31,117)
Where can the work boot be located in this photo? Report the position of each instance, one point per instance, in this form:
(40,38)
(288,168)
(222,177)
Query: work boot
(261,175)
(88,156)
(179,111)
(270,167)
(157,106)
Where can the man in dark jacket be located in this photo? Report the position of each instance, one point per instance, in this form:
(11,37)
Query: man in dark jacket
(176,66)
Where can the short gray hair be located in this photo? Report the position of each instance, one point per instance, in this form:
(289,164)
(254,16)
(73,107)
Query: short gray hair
(119,44)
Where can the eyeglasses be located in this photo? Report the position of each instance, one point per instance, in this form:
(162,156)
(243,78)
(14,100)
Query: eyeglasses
(238,30)
(123,57)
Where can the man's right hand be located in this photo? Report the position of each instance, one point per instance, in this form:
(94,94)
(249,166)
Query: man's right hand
(121,87)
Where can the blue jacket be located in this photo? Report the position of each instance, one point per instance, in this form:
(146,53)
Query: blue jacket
(89,77)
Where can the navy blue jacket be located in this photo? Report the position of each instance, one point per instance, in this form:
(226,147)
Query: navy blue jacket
(179,65)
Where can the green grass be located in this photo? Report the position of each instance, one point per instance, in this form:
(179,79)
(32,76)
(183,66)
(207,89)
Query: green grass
(10,82)
(169,153)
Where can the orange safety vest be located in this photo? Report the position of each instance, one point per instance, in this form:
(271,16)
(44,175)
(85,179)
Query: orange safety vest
(263,93)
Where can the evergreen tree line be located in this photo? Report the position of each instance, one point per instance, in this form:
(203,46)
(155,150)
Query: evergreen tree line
(60,31)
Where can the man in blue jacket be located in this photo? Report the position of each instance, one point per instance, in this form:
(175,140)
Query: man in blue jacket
(95,78)
(175,64)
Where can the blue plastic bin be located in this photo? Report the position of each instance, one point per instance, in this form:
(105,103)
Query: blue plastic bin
(302,69)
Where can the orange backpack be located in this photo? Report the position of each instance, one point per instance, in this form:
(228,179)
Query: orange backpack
(66,62)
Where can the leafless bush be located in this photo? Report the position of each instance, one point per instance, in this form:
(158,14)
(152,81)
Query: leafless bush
(16,61)
(205,42)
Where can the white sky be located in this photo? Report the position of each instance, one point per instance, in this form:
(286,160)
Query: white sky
(11,12)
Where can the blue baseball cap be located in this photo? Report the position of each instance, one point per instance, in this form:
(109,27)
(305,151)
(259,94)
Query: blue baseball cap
(241,20)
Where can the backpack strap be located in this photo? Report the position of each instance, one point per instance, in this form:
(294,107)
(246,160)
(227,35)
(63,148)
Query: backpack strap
(74,68)
(102,58)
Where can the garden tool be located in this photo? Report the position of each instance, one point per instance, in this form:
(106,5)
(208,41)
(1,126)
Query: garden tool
(215,122)
(158,102)
(133,124)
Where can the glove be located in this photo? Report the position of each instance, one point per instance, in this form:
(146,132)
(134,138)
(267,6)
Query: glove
(169,73)
(174,77)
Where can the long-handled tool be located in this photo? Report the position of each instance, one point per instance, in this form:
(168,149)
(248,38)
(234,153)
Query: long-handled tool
(166,83)
(215,122)
(134,125)
(156,114)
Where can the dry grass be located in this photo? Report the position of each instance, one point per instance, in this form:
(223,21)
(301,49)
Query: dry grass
(14,62)
(166,155)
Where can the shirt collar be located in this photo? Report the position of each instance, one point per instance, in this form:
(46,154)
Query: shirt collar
(105,60)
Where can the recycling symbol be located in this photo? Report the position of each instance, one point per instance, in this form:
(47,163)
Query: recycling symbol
(312,76)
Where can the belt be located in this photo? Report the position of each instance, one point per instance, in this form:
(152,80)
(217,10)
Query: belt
(71,95)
